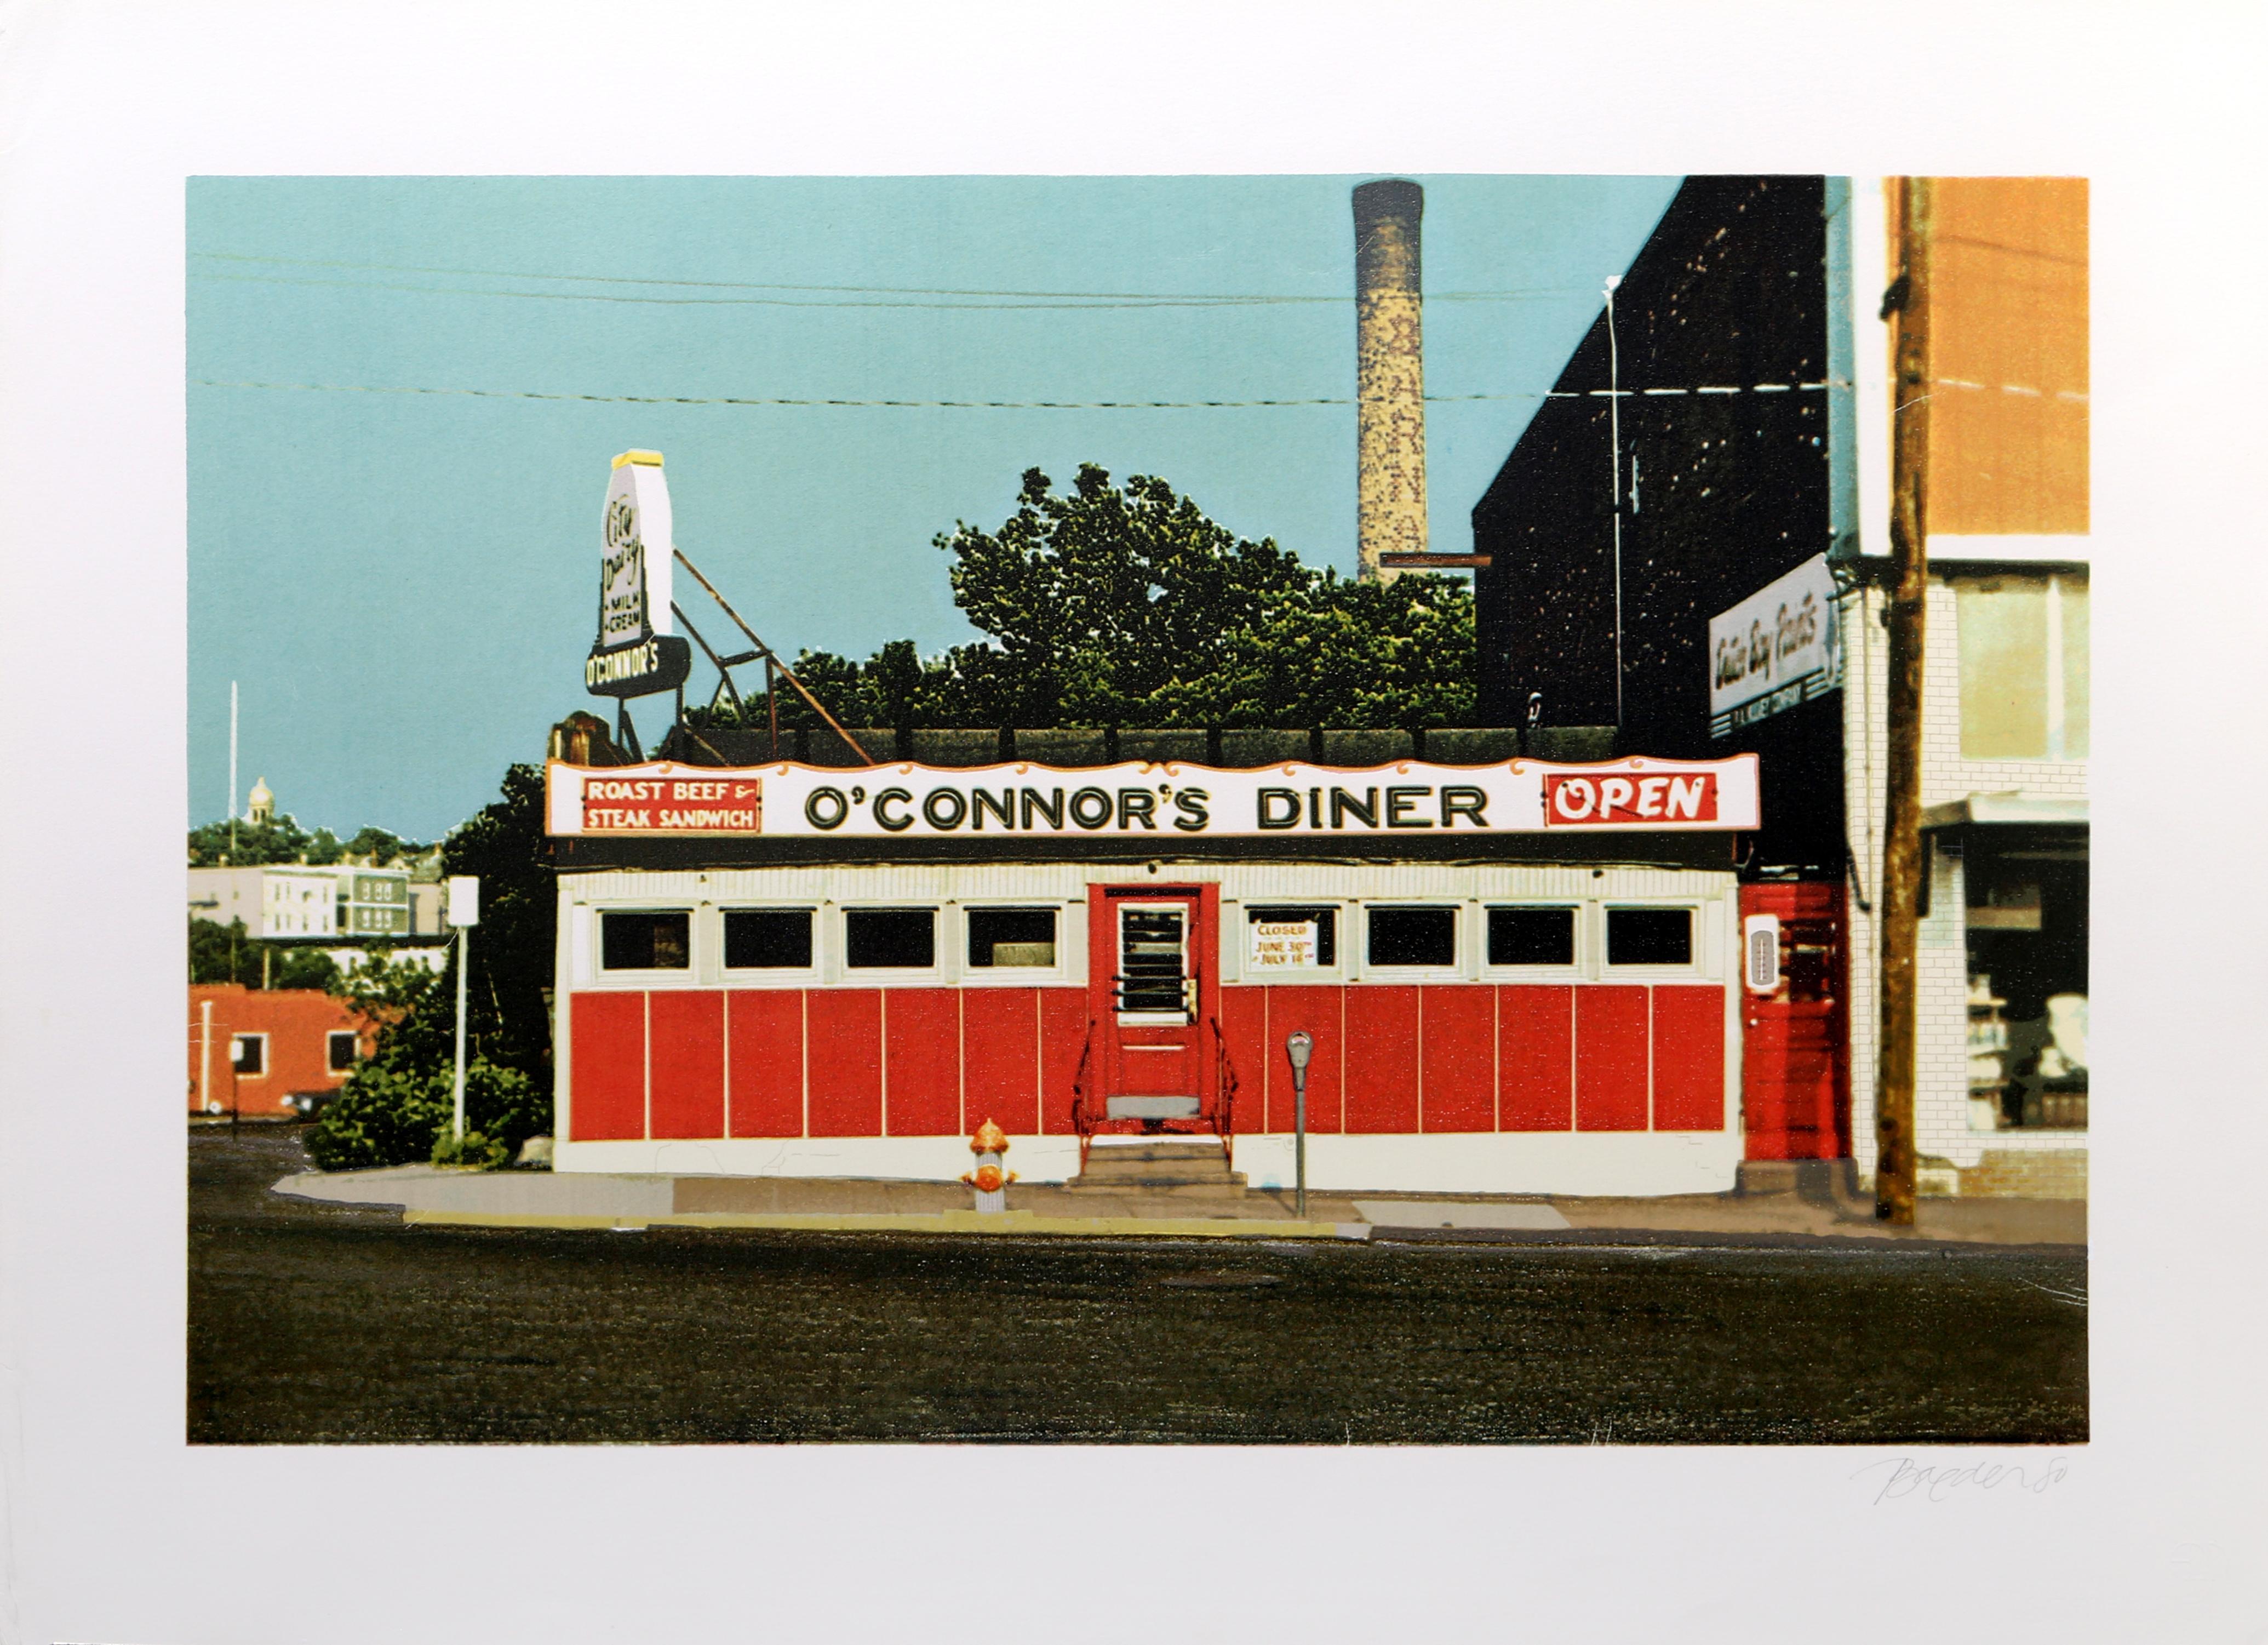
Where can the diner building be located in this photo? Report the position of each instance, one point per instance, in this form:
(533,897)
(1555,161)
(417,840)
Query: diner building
(1519,977)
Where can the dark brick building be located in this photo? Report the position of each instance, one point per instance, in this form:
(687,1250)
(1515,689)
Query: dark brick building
(1720,350)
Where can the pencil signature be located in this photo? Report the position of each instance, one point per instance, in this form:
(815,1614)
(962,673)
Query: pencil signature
(1936,1482)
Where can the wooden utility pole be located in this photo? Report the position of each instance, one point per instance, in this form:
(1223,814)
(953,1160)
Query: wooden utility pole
(1901,886)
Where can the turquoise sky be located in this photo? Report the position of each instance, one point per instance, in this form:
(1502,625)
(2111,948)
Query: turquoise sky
(404,583)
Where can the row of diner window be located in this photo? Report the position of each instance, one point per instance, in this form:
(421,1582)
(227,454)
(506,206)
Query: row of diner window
(1418,935)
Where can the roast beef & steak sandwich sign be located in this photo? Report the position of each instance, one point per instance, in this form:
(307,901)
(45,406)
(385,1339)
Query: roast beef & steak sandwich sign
(788,800)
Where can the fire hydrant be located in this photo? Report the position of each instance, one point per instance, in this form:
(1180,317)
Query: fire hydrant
(987,1179)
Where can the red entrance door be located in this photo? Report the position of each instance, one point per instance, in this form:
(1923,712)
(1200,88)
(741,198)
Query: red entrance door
(1153,990)
(1795,1068)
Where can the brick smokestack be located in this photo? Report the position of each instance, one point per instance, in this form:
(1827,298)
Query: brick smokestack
(1389,373)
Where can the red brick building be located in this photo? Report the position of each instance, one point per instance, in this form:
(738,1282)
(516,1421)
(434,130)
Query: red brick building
(264,1053)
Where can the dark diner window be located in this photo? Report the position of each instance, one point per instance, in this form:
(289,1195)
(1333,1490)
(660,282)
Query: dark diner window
(1649,936)
(249,1053)
(1531,936)
(645,942)
(343,1047)
(889,938)
(1413,936)
(1325,920)
(1012,936)
(767,939)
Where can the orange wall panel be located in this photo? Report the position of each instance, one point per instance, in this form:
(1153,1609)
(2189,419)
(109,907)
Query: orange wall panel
(846,1062)
(1689,1058)
(1610,1058)
(607,1042)
(686,1062)
(922,1041)
(766,1039)
(1319,1009)
(1000,1059)
(1536,1052)
(1381,1058)
(1460,1057)
(1063,1037)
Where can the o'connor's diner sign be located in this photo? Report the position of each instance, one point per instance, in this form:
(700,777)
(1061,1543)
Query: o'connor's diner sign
(795,802)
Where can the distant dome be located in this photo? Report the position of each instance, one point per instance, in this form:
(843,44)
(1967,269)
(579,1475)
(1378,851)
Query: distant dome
(262,806)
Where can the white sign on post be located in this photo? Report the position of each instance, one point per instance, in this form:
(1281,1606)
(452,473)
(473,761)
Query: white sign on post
(1779,647)
(464,899)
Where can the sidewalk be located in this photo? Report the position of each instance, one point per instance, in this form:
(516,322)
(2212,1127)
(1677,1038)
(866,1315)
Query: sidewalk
(429,1195)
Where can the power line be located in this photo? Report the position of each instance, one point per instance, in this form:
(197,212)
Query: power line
(1022,298)
(960,405)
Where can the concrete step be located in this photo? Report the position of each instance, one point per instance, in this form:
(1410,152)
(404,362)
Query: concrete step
(1817,1182)
(1202,1151)
(1221,1187)
(1183,1168)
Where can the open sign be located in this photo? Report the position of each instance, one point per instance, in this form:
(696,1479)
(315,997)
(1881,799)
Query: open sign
(1573,801)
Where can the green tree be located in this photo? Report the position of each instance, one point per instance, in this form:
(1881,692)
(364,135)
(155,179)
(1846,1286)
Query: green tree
(225,954)
(395,1107)
(509,988)
(281,840)
(1125,605)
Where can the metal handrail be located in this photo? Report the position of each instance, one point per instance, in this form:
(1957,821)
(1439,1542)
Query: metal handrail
(1224,1109)
(1081,1123)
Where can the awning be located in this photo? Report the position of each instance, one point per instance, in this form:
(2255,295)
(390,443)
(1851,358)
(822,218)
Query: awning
(2015,806)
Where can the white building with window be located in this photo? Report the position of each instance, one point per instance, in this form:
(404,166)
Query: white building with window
(2001,1083)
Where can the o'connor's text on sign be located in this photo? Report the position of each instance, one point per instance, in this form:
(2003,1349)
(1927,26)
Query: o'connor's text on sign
(787,800)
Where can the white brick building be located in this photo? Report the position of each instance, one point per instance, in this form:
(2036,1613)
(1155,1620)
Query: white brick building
(2001,1096)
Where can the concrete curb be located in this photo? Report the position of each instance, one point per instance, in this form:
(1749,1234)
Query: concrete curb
(955,1222)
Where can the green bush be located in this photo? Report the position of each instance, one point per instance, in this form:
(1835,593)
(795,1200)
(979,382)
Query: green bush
(486,1153)
(387,1114)
(381,1116)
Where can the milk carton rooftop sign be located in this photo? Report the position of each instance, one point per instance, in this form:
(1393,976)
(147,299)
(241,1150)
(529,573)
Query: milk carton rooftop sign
(1779,647)
(635,655)
(1168,800)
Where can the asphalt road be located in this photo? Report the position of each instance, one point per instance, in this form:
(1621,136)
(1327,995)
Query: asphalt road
(315,1323)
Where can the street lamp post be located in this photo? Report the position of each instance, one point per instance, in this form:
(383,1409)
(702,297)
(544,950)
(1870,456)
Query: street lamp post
(464,914)
(1299,1046)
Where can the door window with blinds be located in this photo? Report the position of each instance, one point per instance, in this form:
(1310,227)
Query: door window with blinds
(1153,969)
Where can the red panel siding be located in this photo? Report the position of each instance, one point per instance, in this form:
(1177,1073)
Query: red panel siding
(846,1062)
(1319,1010)
(1689,1059)
(767,1061)
(687,1062)
(1062,1036)
(1535,1048)
(1381,1058)
(1460,1060)
(1000,1059)
(1795,1078)
(923,1035)
(1244,1028)
(607,1045)
(1610,1058)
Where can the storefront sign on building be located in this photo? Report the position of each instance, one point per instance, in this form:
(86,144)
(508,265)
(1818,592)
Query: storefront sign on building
(1779,647)
(636,653)
(1169,799)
